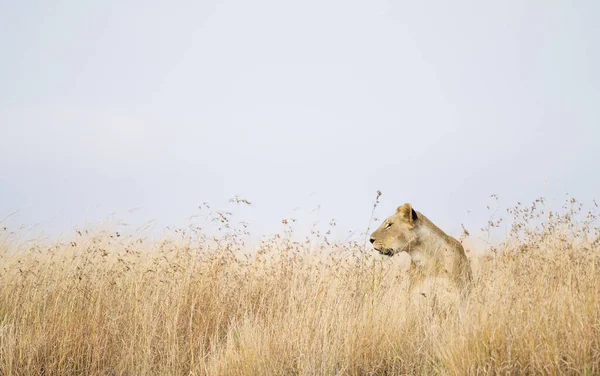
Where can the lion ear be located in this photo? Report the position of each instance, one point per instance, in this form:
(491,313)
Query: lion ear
(407,213)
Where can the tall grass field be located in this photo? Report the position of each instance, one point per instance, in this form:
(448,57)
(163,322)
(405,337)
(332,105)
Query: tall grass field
(195,303)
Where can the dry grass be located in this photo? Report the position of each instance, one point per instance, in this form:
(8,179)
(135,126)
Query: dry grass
(105,303)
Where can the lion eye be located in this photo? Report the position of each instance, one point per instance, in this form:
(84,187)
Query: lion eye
(388,225)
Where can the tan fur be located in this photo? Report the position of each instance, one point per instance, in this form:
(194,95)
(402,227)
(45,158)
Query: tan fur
(432,252)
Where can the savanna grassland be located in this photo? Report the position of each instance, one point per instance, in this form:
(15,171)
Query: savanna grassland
(108,303)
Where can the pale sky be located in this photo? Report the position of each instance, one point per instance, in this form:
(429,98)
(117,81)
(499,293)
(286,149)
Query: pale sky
(111,105)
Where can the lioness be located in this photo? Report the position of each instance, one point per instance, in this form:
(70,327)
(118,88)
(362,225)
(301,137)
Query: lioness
(432,252)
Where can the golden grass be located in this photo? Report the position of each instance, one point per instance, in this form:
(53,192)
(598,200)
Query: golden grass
(108,304)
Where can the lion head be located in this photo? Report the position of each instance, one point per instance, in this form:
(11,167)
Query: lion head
(396,234)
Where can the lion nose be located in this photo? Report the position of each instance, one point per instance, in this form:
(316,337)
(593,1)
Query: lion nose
(372,240)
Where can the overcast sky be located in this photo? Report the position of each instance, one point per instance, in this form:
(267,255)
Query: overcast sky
(111,105)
